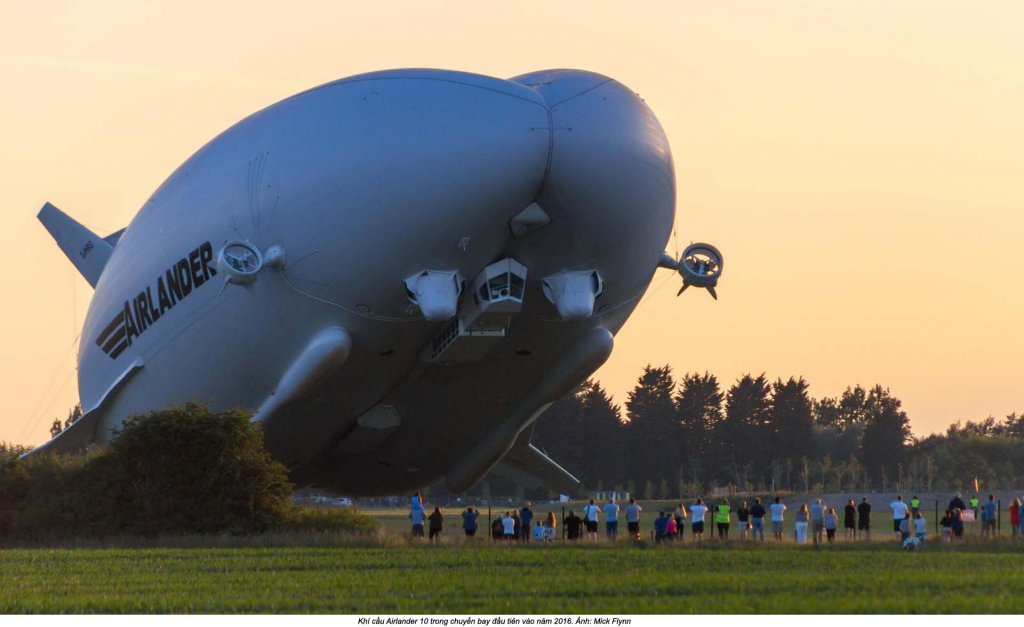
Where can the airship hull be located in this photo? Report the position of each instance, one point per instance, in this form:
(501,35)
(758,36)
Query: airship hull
(352,188)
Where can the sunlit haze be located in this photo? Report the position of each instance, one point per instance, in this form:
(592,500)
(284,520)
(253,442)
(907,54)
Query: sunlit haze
(859,164)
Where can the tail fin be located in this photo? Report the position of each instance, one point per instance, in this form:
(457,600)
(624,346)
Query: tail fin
(88,251)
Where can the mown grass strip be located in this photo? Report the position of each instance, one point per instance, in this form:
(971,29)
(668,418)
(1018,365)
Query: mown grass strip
(468,579)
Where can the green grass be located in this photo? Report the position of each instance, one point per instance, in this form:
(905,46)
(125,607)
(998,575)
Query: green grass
(969,577)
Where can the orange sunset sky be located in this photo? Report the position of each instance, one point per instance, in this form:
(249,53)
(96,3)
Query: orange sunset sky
(859,163)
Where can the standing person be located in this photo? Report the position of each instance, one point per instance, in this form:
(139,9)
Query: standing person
(550,523)
(817,521)
(956,503)
(498,528)
(723,516)
(417,516)
(743,518)
(436,524)
(1015,518)
(590,514)
(802,517)
(469,521)
(974,505)
(915,506)
(679,515)
(988,517)
(920,526)
(611,519)
(517,525)
(508,525)
(525,518)
(864,518)
(697,511)
(899,512)
(661,527)
(850,520)
(573,524)
(671,528)
(757,513)
(831,524)
(633,519)
(778,508)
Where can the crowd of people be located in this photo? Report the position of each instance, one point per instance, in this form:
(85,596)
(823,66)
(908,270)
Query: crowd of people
(819,519)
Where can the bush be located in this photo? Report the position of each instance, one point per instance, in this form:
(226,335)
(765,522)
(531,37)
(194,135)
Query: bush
(180,471)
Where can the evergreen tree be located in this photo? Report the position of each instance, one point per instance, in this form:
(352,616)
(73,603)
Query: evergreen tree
(699,410)
(886,435)
(792,424)
(652,427)
(747,426)
(602,438)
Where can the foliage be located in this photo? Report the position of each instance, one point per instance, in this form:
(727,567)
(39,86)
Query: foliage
(183,470)
(757,435)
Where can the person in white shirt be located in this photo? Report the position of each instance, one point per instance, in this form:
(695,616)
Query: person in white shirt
(633,519)
(697,511)
(777,510)
(590,515)
(899,512)
(611,519)
(508,525)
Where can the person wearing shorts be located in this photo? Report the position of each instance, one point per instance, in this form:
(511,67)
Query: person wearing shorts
(590,514)
(633,519)
(697,511)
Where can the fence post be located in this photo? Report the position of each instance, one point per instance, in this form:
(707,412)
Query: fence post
(563,522)
(490,529)
(937,532)
(999,516)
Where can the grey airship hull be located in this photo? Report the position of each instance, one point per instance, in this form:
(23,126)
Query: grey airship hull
(349,194)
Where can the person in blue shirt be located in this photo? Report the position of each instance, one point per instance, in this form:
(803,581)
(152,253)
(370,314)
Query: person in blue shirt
(660,523)
(469,521)
(526,516)
(988,517)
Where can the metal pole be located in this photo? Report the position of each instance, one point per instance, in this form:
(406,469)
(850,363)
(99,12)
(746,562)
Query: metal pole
(490,529)
(999,516)
(563,522)
(936,516)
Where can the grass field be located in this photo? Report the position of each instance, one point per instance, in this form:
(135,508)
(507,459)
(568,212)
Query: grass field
(971,577)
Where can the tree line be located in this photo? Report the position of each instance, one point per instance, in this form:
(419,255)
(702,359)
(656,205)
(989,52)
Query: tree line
(685,437)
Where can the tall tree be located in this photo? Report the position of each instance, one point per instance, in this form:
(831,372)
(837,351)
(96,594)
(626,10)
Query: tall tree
(886,435)
(653,428)
(699,410)
(792,425)
(602,437)
(741,436)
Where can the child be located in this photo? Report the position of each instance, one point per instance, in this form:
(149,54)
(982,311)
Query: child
(947,526)
(920,526)
(538,532)
(906,528)
(831,524)
(671,528)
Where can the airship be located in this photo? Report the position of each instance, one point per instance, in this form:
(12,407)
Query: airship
(395,272)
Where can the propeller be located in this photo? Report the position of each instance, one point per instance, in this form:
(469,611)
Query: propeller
(700,266)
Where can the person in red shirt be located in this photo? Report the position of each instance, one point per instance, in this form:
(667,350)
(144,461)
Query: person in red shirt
(1015,517)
